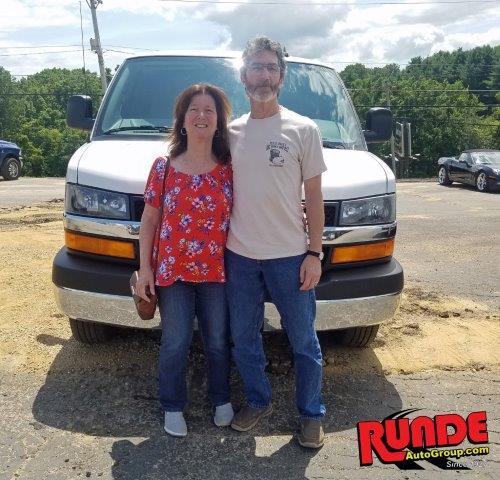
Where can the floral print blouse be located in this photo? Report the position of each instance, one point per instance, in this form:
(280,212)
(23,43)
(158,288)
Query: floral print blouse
(193,230)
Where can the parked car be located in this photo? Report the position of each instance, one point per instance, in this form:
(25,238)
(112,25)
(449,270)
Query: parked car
(480,168)
(361,282)
(10,160)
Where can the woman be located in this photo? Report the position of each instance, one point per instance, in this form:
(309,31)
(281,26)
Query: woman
(190,275)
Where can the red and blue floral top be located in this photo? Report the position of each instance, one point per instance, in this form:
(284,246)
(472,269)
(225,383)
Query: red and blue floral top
(193,230)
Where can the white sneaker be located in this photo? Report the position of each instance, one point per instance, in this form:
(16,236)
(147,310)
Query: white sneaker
(175,424)
(224,415)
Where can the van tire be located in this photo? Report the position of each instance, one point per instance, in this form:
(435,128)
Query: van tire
(89,332)
(358,336)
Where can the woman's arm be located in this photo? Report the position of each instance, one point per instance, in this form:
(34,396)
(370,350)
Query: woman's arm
(149,223)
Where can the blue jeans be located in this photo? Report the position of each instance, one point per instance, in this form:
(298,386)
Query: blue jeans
(179,303)
(247,282)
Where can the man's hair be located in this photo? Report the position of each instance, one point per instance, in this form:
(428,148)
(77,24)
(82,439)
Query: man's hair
(263,44)
(220,142)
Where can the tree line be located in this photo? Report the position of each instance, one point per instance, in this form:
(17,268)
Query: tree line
(451,100)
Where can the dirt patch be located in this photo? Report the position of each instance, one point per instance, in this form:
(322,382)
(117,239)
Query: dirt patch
(17,217)
(429,331)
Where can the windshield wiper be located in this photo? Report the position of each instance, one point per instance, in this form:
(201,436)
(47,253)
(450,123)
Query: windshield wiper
(161,129)
(332,144)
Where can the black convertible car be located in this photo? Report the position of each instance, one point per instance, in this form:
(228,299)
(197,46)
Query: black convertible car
(473,167)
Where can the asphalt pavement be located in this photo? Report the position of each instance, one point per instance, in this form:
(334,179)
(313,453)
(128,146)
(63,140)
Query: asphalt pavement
(29,191)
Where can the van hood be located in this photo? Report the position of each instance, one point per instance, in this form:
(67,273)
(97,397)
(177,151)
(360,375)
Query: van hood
(124,165)
(354,174)
(119,165)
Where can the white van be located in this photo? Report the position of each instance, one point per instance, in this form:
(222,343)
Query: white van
(361,282)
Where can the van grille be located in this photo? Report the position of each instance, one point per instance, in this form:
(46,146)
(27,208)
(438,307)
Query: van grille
(331,208)
(136,208)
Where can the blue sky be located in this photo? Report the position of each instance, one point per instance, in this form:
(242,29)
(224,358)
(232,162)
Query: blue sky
(339,34)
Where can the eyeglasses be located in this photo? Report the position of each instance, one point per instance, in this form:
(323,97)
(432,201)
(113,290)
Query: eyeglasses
(259,67)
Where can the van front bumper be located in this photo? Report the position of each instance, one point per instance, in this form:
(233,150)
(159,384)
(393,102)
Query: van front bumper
(99,292)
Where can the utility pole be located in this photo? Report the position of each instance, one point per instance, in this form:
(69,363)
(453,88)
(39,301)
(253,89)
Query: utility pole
(393,153)
(95,44)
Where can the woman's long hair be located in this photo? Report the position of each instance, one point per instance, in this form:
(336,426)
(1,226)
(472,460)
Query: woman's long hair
(220,142)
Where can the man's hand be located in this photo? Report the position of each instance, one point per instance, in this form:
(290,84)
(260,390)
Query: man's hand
(310,272)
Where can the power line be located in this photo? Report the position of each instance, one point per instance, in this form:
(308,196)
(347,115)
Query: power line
(429,90)
(363,4)
(38,46)
(402,107)
(38,53)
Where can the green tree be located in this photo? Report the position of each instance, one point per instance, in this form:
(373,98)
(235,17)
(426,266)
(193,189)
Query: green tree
(40,122)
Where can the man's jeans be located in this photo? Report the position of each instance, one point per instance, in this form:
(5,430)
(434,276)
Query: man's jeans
(247,282)
(179,303)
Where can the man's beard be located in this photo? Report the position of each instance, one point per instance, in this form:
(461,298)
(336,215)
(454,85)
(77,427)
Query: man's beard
(263,96)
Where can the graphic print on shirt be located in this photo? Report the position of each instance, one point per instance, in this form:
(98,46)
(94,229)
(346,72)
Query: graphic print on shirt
(276,150)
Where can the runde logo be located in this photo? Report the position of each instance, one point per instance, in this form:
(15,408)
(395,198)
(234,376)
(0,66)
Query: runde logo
(275,150)
(401,441)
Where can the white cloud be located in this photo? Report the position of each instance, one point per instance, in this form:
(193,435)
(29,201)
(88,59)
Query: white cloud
(342,33)
(18,14)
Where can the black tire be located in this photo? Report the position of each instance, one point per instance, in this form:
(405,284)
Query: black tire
(89,332)
(481,182)
(11,169)
(358,336)
(443,177)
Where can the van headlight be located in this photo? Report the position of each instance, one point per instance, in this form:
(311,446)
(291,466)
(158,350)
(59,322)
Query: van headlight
(96,203)
(369,211)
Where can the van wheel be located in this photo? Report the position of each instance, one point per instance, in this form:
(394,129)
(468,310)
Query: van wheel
(10,169)
(89,332)
(357,337)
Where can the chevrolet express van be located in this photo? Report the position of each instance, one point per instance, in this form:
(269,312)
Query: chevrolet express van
(361,282)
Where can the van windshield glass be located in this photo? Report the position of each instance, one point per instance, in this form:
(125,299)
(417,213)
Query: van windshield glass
(144,92)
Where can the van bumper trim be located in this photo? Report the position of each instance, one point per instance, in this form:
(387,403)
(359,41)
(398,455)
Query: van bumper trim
(330,314)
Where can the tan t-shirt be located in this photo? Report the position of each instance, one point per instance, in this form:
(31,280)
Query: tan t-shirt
(271,158)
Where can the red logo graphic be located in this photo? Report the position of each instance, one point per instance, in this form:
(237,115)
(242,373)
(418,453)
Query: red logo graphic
(400,440)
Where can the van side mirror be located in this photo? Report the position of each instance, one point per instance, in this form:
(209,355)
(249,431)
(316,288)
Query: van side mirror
(79,112)
(378,125)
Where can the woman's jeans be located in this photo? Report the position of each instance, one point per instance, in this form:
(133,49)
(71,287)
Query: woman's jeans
(248,281)
(179,303)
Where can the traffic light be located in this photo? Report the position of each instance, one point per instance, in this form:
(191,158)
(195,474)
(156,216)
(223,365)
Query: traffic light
(402,139)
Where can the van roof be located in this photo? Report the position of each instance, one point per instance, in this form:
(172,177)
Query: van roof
(218,53)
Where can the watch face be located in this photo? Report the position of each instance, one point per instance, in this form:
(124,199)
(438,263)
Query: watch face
(321,255)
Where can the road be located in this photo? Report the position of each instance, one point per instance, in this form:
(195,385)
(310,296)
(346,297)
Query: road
(71,411)
(28,191)
(447,239)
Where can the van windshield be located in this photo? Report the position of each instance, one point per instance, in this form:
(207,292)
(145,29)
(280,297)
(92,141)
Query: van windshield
(144,92)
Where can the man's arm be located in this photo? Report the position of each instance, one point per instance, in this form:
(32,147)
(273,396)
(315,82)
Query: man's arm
(310,271)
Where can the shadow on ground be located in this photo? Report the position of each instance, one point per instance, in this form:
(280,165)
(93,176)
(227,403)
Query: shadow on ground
(110,391)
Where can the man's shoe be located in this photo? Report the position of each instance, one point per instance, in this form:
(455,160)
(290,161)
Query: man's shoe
(311,433)
(248,417)
(175,424)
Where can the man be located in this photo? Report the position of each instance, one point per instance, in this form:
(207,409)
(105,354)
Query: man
(274,152)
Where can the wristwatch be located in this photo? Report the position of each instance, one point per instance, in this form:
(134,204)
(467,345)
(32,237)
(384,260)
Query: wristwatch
(319,255)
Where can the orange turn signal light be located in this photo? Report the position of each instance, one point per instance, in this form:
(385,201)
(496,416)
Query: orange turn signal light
(366,251)
(99,246)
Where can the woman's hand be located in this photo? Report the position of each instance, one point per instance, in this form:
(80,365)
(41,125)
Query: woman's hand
(145,282)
